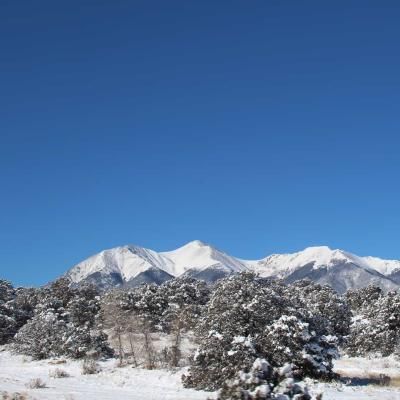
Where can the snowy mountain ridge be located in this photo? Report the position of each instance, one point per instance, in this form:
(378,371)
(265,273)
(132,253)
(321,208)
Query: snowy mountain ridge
(321,256)
(131,265)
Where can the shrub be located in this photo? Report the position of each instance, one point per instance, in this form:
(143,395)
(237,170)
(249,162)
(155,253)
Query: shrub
(65,323)
(13,396)
(58,373)
(376,330)
(327,312)
(384,380)
(90,367)
(249,318)
(263,382)
(36,383)
(289,340)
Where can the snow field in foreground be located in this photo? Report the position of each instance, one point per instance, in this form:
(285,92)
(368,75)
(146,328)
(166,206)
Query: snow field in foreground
(128,383)
(111,383)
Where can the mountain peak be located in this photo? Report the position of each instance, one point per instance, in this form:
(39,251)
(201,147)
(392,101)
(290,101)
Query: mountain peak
(196,243)
(318,248)
(197,256)
(131,264)
(323,255)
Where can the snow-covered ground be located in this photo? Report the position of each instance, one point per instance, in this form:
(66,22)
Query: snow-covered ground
(111,383)
(369,368)
(129,383)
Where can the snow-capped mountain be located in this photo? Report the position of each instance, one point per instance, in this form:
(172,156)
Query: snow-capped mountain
(203,261)
(132,265)
(337,268)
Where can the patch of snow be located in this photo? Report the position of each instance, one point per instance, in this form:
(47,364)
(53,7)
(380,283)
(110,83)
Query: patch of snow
(134,383)
(320,256)
(110,384)
(385,267)
(199,256)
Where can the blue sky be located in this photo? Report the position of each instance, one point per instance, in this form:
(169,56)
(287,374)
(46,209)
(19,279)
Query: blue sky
(257,126)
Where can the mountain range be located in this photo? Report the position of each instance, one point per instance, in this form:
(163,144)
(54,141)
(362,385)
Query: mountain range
(131,265)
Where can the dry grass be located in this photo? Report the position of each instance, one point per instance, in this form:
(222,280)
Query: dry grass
(36,383)
(90,367)
(14,396)
(58,373)
(395,381)
(377,371)
(383,380)
(57,362)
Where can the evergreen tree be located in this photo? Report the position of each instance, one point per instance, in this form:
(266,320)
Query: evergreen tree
(186,298)
(377,328)
(326,311)
(8,323)
(64,323)
(263,382)
(148,303)
(249,318)
(357,299)
(289,340)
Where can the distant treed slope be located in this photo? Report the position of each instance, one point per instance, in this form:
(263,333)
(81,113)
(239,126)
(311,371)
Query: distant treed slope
(132,265)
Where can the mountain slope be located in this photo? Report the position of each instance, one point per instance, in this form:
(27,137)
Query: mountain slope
(337,268)
(131,265)
(203,261)
(117,266)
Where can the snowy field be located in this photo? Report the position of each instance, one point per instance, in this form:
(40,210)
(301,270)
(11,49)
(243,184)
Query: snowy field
(128,383)
(111,383)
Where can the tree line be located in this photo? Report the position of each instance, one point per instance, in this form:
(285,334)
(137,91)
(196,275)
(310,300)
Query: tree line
(254,336)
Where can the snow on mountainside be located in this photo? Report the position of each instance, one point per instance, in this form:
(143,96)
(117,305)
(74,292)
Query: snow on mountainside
(385,267)
(198,256)
(131,265)
(118,266)
(337,268)
(283,265)
(134,265)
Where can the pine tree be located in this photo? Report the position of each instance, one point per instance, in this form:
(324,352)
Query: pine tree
(326,311)
(8,323)
(377,327)
(249,318)
(239,309)
(357,299)
(148,303)
(263,382)
(186,298)
(288,340)
(64,323)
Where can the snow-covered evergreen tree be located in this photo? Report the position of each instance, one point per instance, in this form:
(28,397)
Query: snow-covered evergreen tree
(248,318)
(357,299)
(64,323)
(289,340)
(41,337)
(8,323)
(376,329)
(326,311)
(148,303)
(237,311)
(185,290)
(186,298)
(263,382)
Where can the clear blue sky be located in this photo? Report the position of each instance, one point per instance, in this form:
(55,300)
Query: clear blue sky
(257,126)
